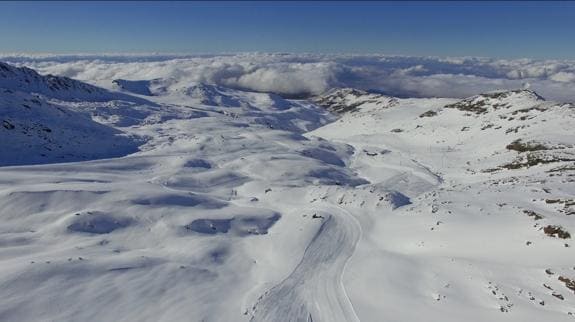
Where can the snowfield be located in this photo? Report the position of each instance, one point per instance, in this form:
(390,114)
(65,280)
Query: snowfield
(154,201)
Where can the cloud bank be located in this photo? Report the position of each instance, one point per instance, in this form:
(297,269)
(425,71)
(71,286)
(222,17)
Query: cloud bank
(310,74)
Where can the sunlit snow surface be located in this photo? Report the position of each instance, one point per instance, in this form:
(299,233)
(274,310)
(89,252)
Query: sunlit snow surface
(212,204)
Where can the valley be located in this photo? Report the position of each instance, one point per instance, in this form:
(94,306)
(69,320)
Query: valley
(152,200)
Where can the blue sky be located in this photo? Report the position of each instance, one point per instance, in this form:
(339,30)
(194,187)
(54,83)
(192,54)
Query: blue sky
(507,30)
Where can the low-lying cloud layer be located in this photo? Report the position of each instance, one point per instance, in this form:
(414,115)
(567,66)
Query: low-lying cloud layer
(309,74)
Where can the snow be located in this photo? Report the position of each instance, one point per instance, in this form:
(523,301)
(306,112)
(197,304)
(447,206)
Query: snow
(37,130)
(460,249)
(172,202)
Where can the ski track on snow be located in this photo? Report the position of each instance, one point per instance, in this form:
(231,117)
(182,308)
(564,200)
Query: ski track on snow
(314,290)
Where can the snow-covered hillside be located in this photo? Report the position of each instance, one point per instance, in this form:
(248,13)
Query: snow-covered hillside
(46,119)
(486,234)
(343,100)
(215,204)
(64,88)
(35,130)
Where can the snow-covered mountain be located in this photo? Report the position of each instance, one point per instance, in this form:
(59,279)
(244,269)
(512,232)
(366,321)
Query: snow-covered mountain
(344,100)
(35,130)
(28,80)
(46,119)
(141,87)
(216,204)
(487,233)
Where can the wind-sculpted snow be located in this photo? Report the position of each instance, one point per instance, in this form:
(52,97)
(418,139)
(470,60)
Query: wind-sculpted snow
(238,225)
(97,223)
(177,200)
(205,213)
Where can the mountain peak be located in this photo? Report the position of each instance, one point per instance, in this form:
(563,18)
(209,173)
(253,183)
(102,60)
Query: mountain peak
(343,100)
(27,80)
(503,94)
(213,95)
(496,100)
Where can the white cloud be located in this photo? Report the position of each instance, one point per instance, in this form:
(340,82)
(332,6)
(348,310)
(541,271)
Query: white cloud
(287,78)
(563,77)
(294,74)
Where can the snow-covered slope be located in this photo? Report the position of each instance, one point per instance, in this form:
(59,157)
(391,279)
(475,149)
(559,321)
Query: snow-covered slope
(152,87)
(244,206)
(141,87)
(196,226)
(37,131)
(28,80)
(345,100)
(486,233)
(46,119)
